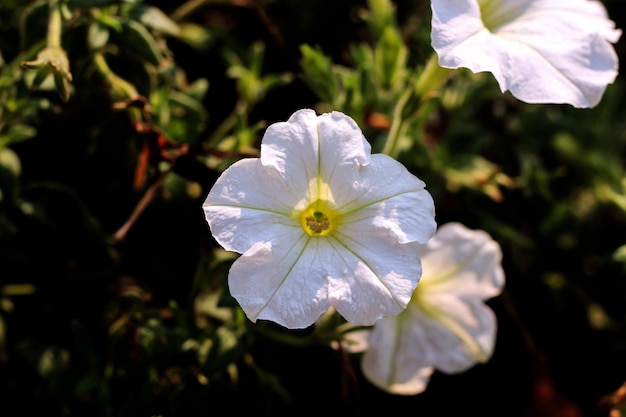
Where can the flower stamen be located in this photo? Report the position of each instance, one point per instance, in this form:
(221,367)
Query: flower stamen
(318,219)
(318,222)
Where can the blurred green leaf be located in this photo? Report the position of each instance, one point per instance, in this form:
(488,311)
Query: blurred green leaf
(52,360)
(379,15)
(198,89)
(317,72)
(390,55)
(620,254)
(196,35)
(225,349)
(10,170)
(137,40)
(97,35)
(154,18)
(17,133)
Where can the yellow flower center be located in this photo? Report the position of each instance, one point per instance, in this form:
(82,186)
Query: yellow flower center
(318,219)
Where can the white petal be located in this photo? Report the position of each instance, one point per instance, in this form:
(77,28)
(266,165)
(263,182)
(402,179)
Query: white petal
(284,281)
(453,23)
(341,142)
(291,147)
(461,261)
(390,363)
(308,148)
(579,15)
(250,203)
(556,66)
(293,284)
(370,277)
(453,334)
(551,52)
(385,196)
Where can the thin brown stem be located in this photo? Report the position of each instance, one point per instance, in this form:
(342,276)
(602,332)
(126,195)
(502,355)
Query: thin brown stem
(141,206)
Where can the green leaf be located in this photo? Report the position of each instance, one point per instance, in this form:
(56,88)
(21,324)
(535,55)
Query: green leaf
(195,35)
(137,40)
(318,73)
(380,16)
(198,88)
(10,161)
(390,58)
(97,35)
(154,18)
(225,349)
(16,133)
(620,254)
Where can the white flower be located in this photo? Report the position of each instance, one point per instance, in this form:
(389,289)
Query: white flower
(543,51)
(320,222)
(447,325)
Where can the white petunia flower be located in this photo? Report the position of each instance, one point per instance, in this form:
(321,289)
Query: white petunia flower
(320,222)
(447,325)
(543,51)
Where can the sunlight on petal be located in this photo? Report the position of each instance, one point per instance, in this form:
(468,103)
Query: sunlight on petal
(369,272)
(271,281)
(541,51)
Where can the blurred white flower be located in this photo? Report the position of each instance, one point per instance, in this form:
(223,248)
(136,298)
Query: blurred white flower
(320,222)
(543,51)
(447,325)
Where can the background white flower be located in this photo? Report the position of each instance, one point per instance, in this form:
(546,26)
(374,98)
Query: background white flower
(320,222)
(447,325)
(543,51)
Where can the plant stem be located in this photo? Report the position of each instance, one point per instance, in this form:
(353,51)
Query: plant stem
(54,24)
(392,144)
(147,198)
(427,84)
(433,76)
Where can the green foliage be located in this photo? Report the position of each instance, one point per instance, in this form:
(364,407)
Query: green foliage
(116,117)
